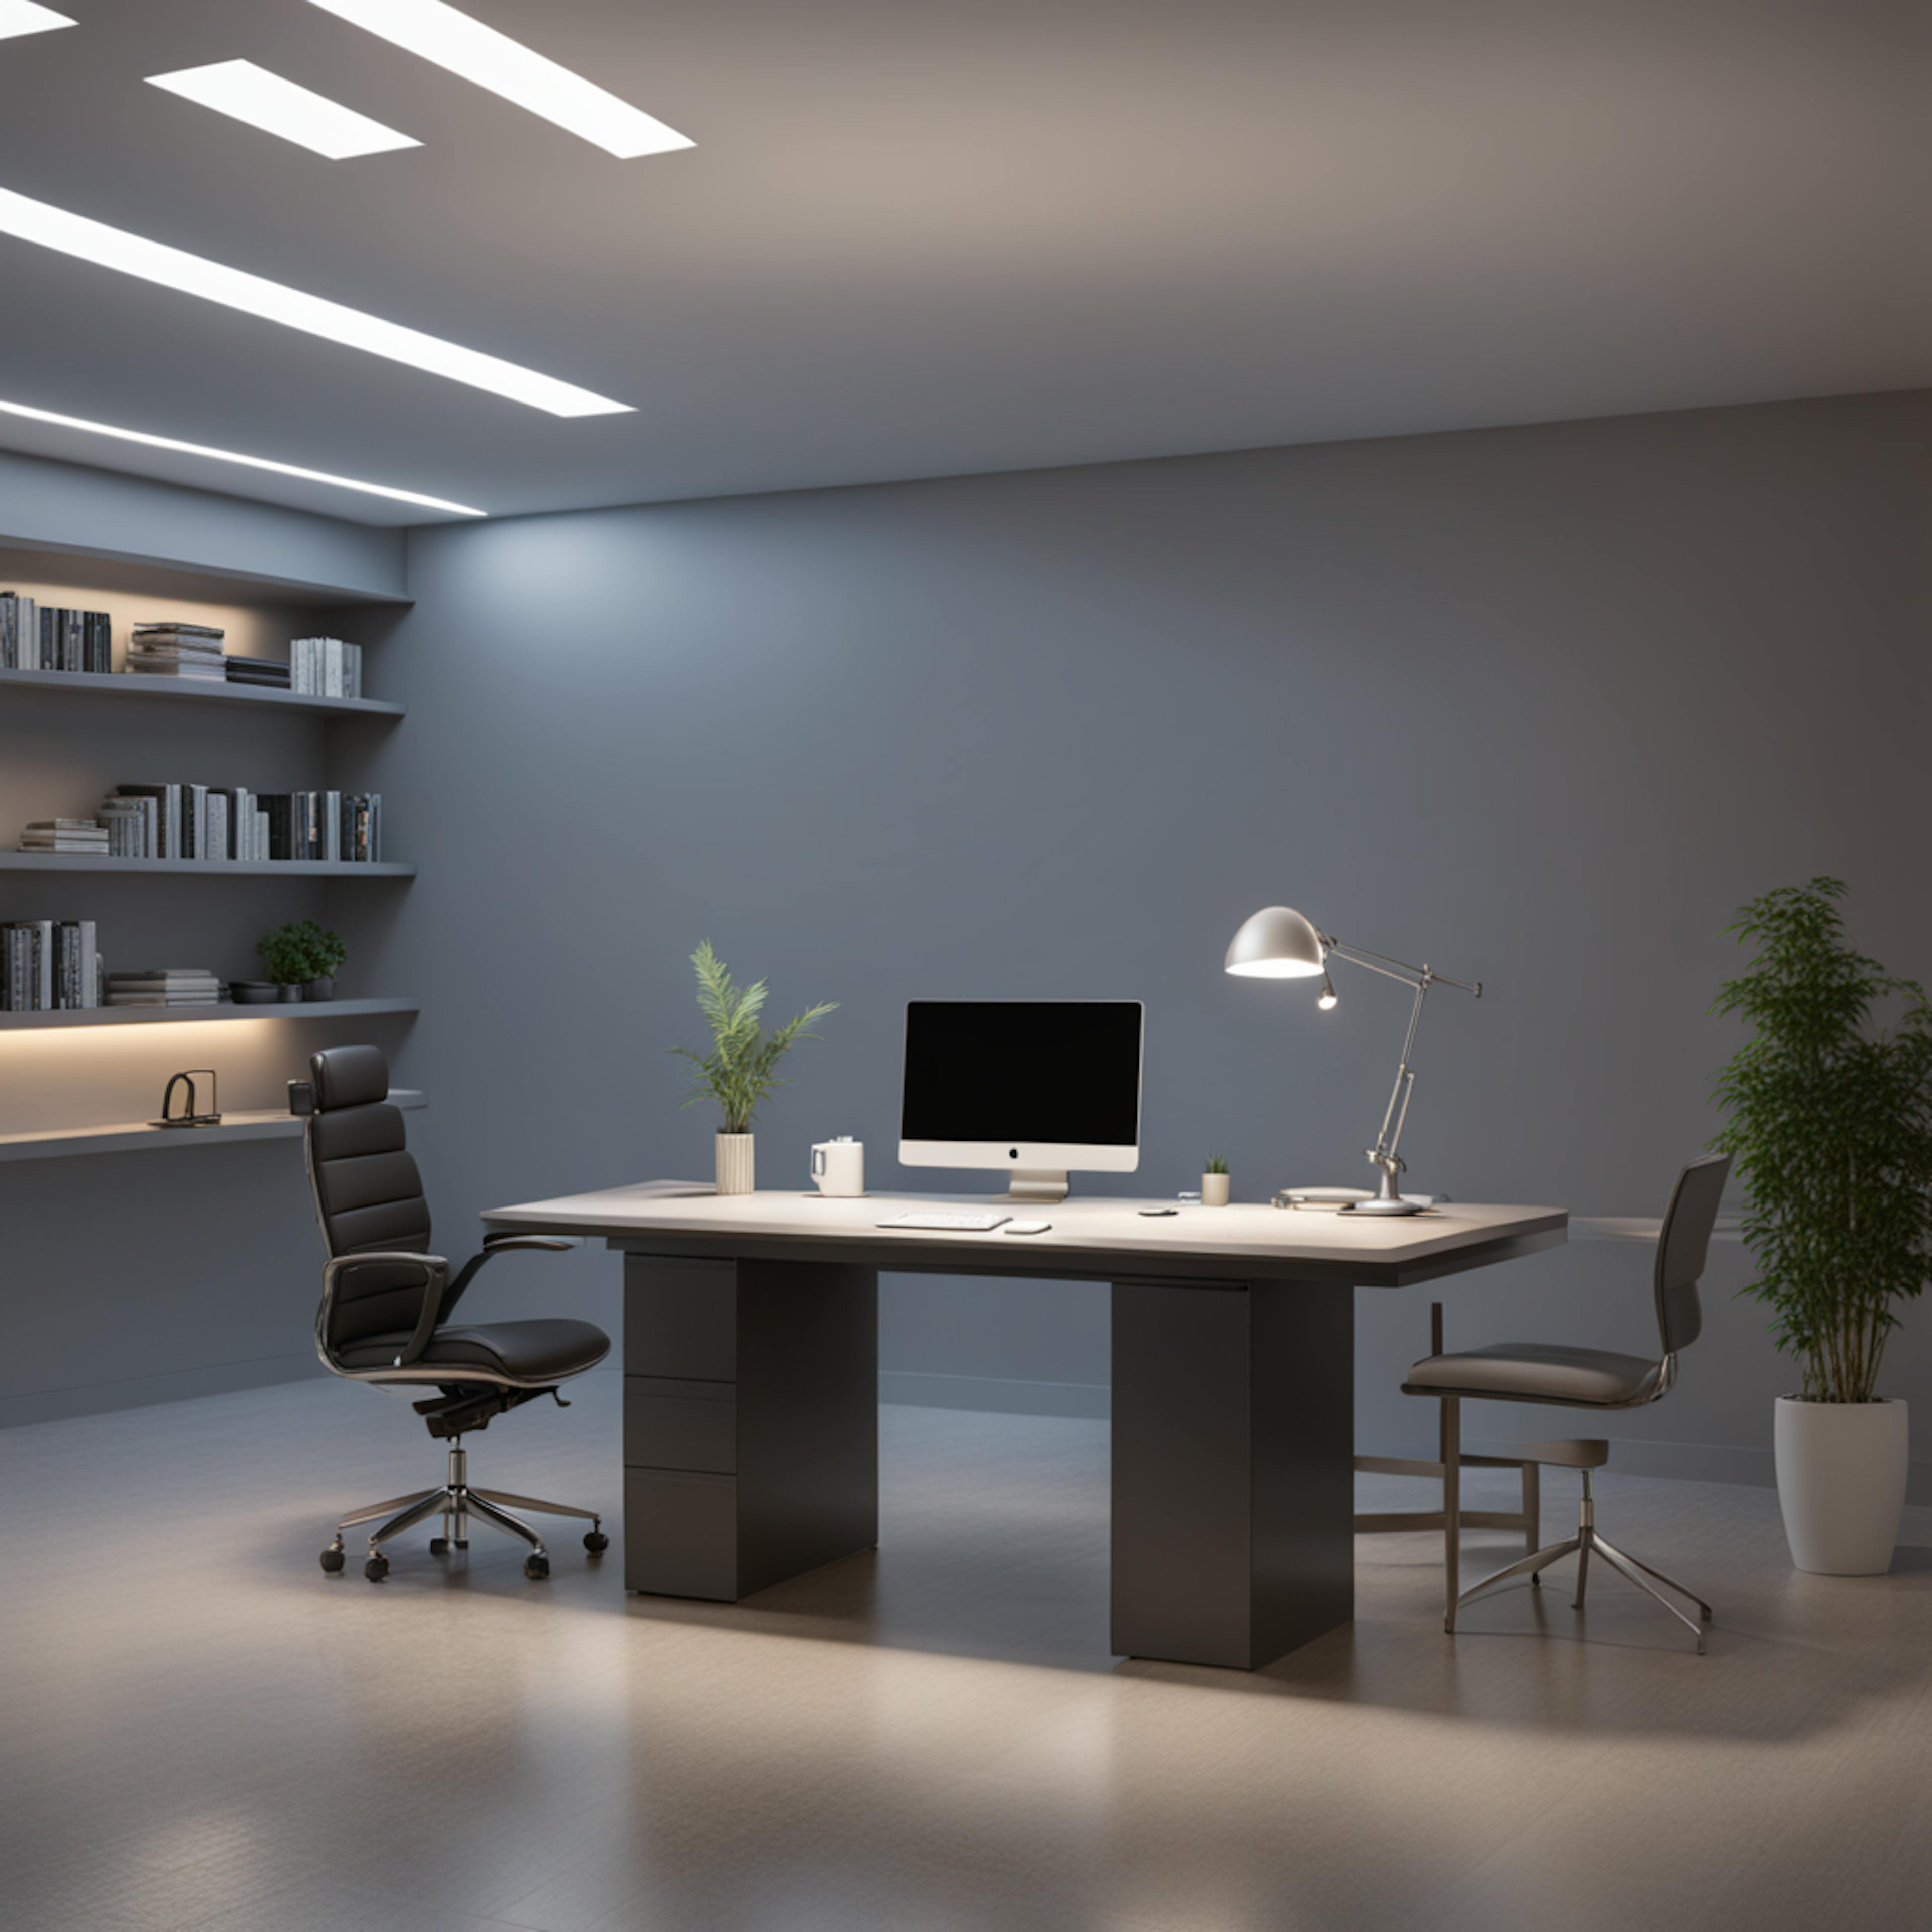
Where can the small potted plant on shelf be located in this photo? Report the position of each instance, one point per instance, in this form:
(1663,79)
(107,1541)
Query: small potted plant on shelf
(1830,1120)
(302,958)
(741,1069)
(1214,1181)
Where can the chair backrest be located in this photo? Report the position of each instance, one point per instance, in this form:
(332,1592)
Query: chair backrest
(368,1193)
(1682,1247)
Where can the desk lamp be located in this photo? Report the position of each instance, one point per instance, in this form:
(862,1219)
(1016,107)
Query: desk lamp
(1277,943)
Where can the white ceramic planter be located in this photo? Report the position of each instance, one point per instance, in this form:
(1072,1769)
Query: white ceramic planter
(1841,1470)
(1214,1190)
(734,1164)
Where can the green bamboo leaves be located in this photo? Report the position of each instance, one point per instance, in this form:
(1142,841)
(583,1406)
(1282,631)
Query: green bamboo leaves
(740,1071)
(1829,1117)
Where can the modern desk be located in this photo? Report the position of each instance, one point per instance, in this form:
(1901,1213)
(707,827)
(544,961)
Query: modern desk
(751,1394)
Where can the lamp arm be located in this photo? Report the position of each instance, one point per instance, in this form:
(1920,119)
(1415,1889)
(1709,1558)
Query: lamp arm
(1384,1154)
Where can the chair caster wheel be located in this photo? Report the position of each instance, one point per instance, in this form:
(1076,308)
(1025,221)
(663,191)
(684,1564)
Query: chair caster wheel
(334,1557)
(536,1568)
(439,1546)
(596,1542)
(376,1568)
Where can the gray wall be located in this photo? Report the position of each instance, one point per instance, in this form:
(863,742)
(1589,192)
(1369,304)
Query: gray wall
(1541,705)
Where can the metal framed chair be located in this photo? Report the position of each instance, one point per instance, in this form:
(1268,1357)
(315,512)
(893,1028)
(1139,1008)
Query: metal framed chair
(386,1302)
(1589,1378)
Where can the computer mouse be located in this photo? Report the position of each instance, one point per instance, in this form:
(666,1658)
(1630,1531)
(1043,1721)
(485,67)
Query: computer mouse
(1026,1227)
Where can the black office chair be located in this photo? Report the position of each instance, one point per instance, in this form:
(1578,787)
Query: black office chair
(386,1302)
(1581,1378)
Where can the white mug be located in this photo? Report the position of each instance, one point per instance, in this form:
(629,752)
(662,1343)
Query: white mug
(838,1166)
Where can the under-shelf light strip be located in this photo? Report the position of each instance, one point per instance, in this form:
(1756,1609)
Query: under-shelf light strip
(229,456)
(451,39)
(50,227)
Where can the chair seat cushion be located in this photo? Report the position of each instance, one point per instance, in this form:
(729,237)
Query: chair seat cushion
(1536,1372)
(526,1352)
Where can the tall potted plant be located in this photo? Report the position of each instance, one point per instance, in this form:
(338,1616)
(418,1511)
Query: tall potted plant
(1829,1116)
(741,1069)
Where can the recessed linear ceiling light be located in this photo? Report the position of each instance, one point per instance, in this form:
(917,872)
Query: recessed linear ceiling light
(25,16)
(247,92)
(478,53)
(254,295)
(229,456)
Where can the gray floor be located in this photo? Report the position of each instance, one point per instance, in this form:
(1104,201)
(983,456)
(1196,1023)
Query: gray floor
(201,1730)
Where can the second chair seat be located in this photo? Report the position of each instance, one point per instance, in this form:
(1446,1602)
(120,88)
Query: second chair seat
(537,1351)
(1536,1371)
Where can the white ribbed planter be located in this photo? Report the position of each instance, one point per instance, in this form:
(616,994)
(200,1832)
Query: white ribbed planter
(1841,1470)
(1214,1190)
(734,1164)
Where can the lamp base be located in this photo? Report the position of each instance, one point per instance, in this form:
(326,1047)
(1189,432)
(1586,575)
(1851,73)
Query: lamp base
(1378,1206)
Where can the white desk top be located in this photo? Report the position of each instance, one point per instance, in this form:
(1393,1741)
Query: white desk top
(1089,1235)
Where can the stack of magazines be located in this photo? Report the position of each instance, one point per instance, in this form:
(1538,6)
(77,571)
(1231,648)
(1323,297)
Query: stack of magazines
(176,650)
(64,835)
(164,986)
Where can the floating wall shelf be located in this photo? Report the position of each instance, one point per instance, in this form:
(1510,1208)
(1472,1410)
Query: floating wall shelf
(141,1137)
(206,868)
(196,691)
(295,1009)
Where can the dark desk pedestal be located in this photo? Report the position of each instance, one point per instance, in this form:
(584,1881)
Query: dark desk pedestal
(750,1446)
(750,1422)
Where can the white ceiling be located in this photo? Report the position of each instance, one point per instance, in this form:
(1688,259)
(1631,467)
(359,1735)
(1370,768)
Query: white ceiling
(919,238)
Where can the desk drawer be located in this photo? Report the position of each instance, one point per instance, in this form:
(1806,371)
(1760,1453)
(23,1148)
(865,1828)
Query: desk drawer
(680,1425)
(681,1318)
(681,1534)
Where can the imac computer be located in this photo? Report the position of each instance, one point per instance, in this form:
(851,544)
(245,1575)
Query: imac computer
(1036,1087)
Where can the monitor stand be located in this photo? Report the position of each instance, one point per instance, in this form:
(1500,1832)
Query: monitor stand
(1037,1183)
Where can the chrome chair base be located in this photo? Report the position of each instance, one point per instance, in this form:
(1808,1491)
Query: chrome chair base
(458,1504)
(1581,1546)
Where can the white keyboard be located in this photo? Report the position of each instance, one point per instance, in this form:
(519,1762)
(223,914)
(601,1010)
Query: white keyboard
(963,1224)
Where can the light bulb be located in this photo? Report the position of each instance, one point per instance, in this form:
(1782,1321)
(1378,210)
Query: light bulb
(1327,999)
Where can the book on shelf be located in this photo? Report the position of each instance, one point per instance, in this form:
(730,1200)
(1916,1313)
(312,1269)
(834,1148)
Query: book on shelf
(217,823)
(326,667)
(47,637)
(64,835)
(264,671)
(49,966)
(165,986)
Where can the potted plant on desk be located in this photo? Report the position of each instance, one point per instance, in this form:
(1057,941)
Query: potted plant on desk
(1830,1119)
(1214,1182)
(741,1069)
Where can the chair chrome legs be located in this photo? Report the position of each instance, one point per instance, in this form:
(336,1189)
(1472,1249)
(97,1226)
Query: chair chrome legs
(1581,1545)
(456,1503)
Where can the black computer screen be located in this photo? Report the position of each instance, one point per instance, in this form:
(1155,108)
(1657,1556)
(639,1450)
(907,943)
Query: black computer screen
(1023,1070)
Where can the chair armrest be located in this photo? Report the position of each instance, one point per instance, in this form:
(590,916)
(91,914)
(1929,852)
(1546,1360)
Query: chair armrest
(435,1272)
(493,1245)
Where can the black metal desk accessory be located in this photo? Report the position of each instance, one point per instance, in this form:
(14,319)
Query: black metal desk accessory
(192,1114)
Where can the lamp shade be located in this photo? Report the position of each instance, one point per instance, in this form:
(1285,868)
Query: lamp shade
(1275,943)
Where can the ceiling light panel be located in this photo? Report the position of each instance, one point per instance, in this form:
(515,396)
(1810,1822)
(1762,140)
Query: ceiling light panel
(25,16)
(246,92)
(51,227)
(478,53)
(229,456)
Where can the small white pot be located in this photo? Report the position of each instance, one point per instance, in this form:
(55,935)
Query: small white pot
(1841,1470)
(734,1164)
(1214,1190)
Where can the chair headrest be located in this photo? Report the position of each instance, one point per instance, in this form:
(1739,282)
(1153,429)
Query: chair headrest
(349,1076)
